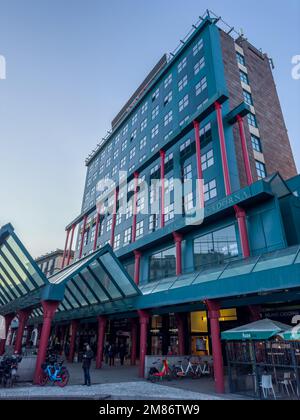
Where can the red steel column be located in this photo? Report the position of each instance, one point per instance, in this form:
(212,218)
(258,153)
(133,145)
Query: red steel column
(97,231)
(102,321)
(241,219)
(133,341)
(214,316)
(74,329)
(114,218)
(245,150)
(181,334)
(82,236)
(65,251)
(223,148)
(137,267)
(135,198)
(8,320)
(162,196)
(199,163)
(49,313)
(144,322)
(71,244)
(178,243)
(23,318)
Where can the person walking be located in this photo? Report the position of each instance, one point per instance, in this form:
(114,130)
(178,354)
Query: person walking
(111,355)
(86,364)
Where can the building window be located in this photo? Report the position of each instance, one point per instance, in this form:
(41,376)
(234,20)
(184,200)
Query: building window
(134,120)
(207,160)
(188,202)
(169,213)
(240,59)
(163,264)
(168,98)
(206,133)
(182,65)
(260,169)
(109,225)
(168,118)
(210,190)
(168,81)
(123,162)
(144,124)
(127,236)
(244,77)
(186,148)
(153,222)
(129,211)
(116,154)
(215,248)
(182,83)
(154,131)
(145,108)
(155,95)
(155,112)
(115,170)
(198,47)
(117,243)
(125,130)
(199,66)
(124,145)
(252,120)
(143,143)
(132,153)
(187,172)
(108,162)
(133,135)
(256,143)
(118,219)
(248,98)
(140,229)
(183,103)
(201,86)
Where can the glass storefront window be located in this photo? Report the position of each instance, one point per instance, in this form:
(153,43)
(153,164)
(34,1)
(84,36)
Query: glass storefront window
(163,264)
(215,248)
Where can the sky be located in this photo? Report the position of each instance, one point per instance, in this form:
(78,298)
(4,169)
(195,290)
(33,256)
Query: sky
(71,66)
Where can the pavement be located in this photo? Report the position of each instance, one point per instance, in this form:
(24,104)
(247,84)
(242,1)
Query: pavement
(117,383)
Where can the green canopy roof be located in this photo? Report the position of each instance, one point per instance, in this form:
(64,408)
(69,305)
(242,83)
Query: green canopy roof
(20,277)
(259,330)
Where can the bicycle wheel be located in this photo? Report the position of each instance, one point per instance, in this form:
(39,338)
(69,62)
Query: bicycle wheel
(65,376)
(43,379)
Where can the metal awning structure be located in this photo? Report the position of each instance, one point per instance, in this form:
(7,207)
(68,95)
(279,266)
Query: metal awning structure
(21,280)
(97,281)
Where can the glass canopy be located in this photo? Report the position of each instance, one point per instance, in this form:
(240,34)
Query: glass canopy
(19,274)
(97,279)
(277,259)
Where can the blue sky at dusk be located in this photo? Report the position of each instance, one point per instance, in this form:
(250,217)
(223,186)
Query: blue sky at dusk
(71,66)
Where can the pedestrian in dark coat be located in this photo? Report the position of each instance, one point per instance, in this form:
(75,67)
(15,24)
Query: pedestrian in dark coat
(86,364)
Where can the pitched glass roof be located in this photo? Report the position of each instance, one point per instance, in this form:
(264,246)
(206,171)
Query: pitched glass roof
(19,274)
(277,259)
(97,279)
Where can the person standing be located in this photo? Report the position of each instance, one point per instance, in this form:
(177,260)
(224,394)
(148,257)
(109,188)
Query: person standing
(122,353)
(86,364)
(111,355)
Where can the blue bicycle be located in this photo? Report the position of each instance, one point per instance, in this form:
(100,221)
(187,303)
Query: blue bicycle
(55,373)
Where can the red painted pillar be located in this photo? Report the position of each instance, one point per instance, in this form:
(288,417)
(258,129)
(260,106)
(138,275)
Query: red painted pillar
(242,223)
(74,329)
(82,236)
(66,247)
(8,320)
(71,244)
(199,163)
(162,196)
(135,198)
(137,267)
(214,316)
(49,313)
(181,334)
(97,231)
(178,244)
(114,219)
(245,150)
(102,321)
(144,322)
(23,318)
(133,341)
(223,148)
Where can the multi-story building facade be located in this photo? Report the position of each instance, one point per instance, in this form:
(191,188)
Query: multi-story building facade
(51,263)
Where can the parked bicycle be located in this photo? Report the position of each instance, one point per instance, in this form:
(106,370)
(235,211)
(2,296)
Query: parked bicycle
(9,370)
(54,372)
(164,372)
(192,369)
